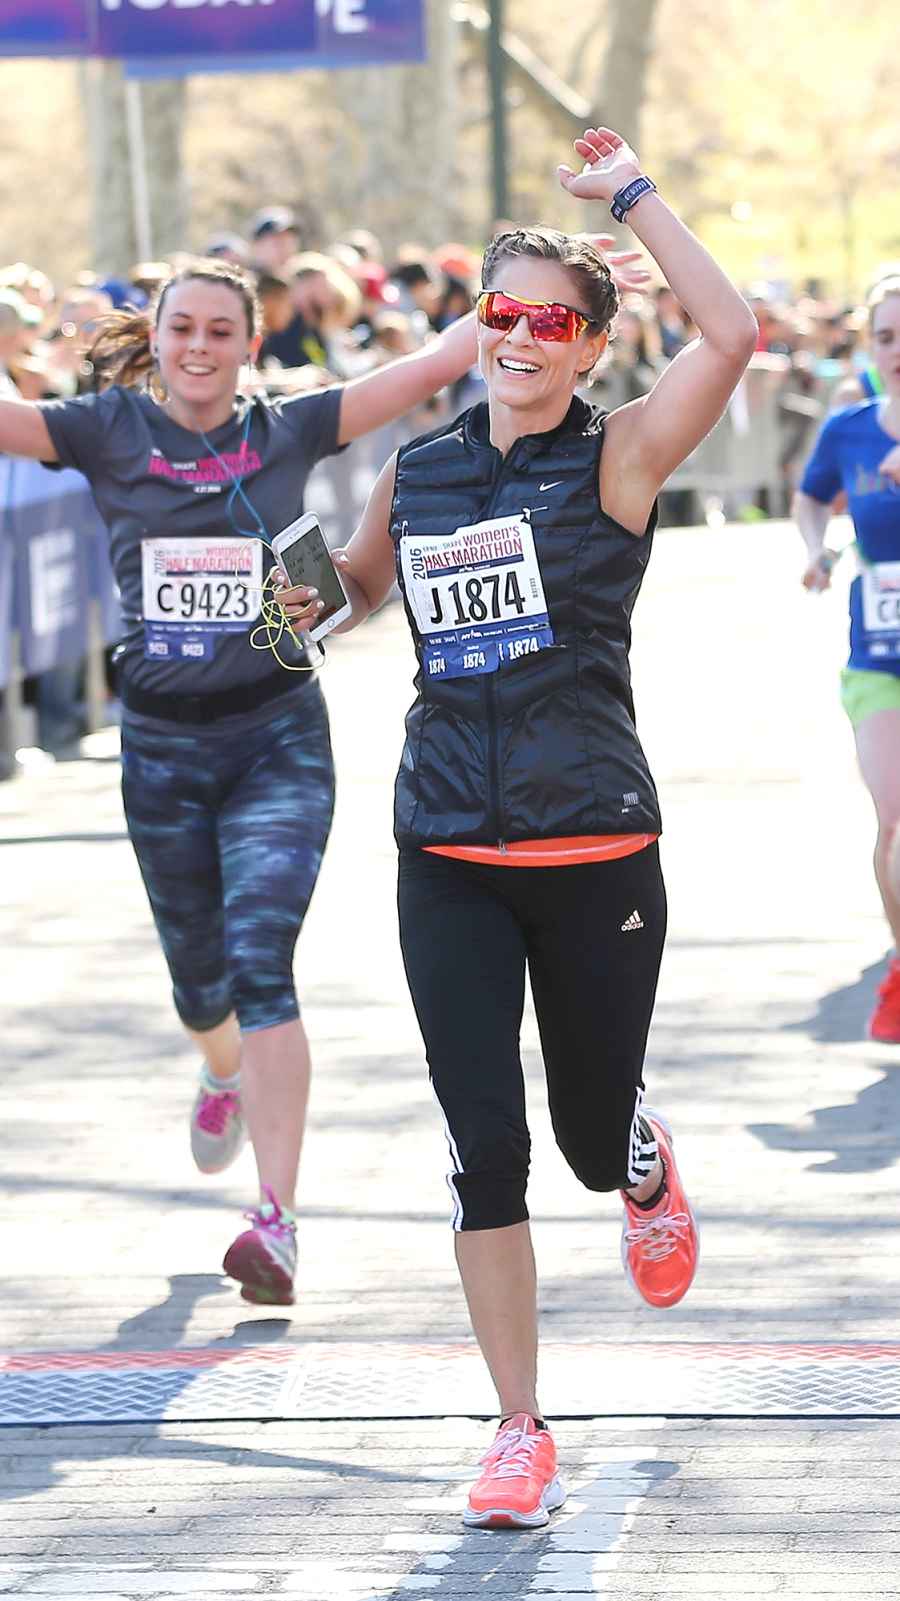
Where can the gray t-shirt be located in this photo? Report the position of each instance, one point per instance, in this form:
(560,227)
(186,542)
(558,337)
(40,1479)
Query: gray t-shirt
(184,548)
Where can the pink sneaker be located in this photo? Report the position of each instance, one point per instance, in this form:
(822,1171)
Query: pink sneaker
(519,1486)
(661,1248)
(218,1130)
(884,1024)
(264,1258)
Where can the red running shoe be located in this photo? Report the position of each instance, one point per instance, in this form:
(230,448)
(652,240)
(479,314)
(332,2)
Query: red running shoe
(519,1487)
(661,1248)
(884,1024)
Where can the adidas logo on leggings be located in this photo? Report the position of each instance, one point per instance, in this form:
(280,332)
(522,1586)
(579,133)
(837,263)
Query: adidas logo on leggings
(632,922)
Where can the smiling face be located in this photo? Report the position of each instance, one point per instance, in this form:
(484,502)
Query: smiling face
(885,342)
(202,340)
(530,382)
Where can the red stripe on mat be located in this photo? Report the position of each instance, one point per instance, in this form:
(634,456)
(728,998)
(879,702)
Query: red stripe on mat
(216,1356)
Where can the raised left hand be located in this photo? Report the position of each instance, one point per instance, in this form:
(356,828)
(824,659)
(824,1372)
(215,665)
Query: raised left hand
(609,164)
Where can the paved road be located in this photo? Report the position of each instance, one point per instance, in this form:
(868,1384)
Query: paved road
(788,1129)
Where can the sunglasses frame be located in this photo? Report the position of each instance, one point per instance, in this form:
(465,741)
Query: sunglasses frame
(577,328)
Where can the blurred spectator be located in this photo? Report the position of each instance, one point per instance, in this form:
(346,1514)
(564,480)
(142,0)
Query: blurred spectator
(274,239)
(325,299)
(149,276)
(366,245)
(419,289)
(228,247)
(273,291)
(673,322)
(67,348)
(34,286)
(18,323)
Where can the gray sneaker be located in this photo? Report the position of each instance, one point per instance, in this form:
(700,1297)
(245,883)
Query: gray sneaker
(218,1130)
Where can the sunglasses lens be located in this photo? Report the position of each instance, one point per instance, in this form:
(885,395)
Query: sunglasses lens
(548,321)
(498,311)
(552,322)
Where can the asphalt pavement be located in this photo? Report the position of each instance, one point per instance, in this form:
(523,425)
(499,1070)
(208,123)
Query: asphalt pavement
(743,1444)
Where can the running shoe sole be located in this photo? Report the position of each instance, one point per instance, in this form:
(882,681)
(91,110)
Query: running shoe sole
(261,1279)
(505,1518)
(657,1118)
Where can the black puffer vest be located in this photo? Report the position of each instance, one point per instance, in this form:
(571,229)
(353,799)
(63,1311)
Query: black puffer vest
(546,746)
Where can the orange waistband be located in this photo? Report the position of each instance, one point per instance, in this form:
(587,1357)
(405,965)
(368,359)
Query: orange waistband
(549,852)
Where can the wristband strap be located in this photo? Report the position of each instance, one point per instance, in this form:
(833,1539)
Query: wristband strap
(623,200)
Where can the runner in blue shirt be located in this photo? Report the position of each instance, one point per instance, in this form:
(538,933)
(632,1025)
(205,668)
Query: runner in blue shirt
(858,453)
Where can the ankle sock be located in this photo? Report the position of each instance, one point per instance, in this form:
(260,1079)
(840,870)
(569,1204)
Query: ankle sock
(219,1086)
(538,1422)
(654,1199)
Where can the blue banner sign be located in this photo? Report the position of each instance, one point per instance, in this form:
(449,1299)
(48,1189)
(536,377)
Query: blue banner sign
(45,27)
(188,27)
(179,36)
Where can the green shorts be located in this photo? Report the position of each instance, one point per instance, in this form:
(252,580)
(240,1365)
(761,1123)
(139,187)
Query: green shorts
(863,693)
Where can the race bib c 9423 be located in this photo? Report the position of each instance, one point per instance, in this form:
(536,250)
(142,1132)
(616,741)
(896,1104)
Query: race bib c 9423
(476,595)
(881,609)
(195,590)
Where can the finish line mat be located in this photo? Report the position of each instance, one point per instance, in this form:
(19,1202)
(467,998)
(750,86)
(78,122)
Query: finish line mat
(390,1380)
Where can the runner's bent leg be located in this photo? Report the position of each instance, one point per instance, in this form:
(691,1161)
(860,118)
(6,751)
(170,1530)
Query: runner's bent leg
(594,984)
(273,830)
(465,961)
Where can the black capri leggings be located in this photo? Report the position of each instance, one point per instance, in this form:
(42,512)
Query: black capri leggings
(592,936)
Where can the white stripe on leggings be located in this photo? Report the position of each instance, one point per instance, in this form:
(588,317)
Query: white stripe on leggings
(457,1218)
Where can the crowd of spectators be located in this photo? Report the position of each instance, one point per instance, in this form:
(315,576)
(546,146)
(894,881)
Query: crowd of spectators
(331,314)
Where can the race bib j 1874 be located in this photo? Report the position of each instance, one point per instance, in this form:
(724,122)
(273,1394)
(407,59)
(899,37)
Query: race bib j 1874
(881,609)
(196,590)
(477,596)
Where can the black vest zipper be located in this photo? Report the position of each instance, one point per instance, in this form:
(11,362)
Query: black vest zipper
(495,765)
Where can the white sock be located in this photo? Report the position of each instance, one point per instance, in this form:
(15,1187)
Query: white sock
(219,1086)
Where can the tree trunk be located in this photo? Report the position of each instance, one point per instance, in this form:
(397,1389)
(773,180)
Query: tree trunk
(162,102)
(398,181)
(623,83)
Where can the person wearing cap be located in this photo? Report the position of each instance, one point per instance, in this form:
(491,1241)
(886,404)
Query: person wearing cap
(274,238)
(230,247)
(19,322)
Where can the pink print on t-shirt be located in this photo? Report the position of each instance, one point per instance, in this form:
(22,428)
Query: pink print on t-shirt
(207,471)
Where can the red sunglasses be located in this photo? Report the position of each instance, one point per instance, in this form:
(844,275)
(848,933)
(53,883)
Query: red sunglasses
(548,320)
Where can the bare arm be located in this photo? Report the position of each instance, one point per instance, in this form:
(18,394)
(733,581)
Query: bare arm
(391,391)
(366,565)
(23,431)
(812,518)
(650,437)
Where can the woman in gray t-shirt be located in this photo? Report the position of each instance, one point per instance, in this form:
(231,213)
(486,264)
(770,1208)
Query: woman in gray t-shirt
(227,772)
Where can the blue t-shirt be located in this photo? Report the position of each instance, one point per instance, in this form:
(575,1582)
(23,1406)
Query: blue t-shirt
(847,455)
(183,551)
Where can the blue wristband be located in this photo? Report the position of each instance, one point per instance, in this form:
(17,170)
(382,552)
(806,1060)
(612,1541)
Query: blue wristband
(623,200)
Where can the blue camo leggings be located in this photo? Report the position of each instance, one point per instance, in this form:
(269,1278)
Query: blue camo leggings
(229,826)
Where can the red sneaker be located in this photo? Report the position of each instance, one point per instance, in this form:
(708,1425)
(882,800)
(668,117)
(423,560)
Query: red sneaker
(661,1248)
(519,1487)
(884,1024)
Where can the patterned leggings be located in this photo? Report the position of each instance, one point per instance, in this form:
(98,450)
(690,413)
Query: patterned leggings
(229,824)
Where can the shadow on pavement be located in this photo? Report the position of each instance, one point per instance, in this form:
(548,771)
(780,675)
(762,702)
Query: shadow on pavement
(863,1134)
(562,1558)
(842,1015)
(77,1442)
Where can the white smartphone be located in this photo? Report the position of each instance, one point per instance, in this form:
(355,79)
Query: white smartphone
(305,558)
